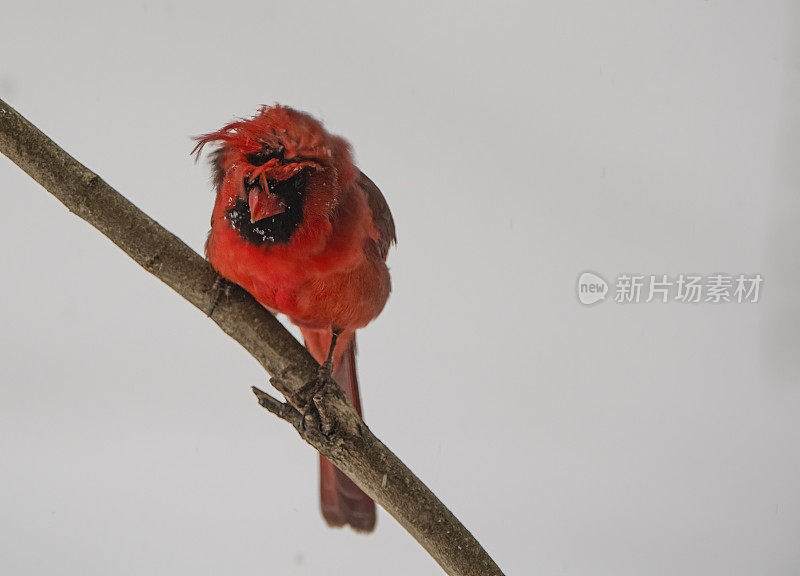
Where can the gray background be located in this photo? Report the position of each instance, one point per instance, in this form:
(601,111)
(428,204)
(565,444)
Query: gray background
(518,146)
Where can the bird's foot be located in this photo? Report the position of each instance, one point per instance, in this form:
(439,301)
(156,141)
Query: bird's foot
(218,288)
(313,392)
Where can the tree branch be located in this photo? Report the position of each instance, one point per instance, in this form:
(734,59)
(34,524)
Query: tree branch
(350,444)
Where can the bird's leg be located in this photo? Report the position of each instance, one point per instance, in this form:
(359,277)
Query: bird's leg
(218,288)
(326,368)
(313,390)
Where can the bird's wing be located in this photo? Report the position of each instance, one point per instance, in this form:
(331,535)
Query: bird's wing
(381,215)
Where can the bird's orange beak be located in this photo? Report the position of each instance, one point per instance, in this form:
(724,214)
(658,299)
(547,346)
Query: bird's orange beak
(264,204)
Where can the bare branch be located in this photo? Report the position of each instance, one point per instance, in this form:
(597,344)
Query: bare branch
(350,444)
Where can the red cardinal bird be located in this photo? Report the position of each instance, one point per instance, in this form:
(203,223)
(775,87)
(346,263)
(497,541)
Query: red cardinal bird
(299,227)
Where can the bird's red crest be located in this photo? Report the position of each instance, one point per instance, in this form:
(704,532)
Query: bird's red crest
(296,134)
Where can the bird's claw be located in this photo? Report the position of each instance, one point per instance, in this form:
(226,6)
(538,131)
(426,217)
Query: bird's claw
(218,288)
(314,391)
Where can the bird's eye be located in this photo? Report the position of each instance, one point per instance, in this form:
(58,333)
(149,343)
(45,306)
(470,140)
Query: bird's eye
(264,155)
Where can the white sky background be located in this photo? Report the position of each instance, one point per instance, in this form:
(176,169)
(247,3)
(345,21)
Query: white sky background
(518,146)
